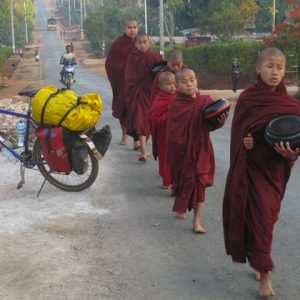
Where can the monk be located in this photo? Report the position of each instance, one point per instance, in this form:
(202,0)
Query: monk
(174,64)
(115,68)
(190,151)
(158,117)
(138,83)
(258,173)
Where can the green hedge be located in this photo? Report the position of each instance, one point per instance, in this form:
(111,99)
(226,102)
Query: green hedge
(4,54)
(216,59)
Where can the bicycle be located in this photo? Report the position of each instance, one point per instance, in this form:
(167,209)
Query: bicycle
(32,157)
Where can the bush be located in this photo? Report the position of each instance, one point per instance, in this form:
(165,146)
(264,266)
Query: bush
(215,59)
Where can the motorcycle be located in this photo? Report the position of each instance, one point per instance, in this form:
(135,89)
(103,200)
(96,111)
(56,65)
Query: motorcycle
(68,77)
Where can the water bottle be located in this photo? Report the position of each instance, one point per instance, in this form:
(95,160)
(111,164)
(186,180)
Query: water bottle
(21,129)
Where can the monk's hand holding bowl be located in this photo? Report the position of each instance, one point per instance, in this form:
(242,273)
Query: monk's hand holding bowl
(248,141)
(286,151)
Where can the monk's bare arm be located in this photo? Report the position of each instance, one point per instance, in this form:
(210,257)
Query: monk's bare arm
(248,141)
(286,151)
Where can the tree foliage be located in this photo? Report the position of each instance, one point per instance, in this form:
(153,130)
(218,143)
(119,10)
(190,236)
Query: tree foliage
(286,35)
(19,21)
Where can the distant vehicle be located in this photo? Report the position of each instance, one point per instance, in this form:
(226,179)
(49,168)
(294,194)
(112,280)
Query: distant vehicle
(200,39)
(51,24)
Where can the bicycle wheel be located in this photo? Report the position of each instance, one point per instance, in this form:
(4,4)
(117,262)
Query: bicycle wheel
(71,182)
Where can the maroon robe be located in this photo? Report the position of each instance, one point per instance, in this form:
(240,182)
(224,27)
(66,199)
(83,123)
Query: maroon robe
(138,82)
(115,68)
(257,178)
(190,151)
(155,86)
(158,117)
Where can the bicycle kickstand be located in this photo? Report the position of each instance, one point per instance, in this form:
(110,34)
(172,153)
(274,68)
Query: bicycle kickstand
(37,195)
(22,173)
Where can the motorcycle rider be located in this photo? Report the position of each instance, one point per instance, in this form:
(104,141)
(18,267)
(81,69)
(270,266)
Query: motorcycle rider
(67,58)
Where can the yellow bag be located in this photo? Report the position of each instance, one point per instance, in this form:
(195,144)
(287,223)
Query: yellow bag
(52,106)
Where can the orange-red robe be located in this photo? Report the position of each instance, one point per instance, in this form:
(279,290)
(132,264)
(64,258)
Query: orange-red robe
(115,68)
(158,117)
(138,83)
(190,151)
(257,178)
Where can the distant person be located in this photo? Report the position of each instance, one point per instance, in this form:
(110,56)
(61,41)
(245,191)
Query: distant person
(67,58)
(190,151)
(158,117)
(72,47)
(174,64)
(36,54)
(235,73)
(138,84)
(258,174)
(115,65)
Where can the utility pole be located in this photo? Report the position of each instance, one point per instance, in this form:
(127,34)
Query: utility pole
(25,19)
(84,10)
(161,27)
(12,27)
(69,4)
(146,21)
(273,15)
(81,21)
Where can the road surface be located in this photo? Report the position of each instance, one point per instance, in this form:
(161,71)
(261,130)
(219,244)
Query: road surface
(119,239)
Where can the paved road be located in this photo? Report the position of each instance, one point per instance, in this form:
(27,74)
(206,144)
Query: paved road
(119,239)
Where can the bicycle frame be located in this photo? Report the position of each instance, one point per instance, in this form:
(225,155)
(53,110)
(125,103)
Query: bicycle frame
(29,122)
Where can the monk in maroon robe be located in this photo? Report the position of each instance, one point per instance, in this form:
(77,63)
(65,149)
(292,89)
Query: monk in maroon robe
(258,173)
(190,151)
(174,64)
(115,68)
(138,83)
(158,117)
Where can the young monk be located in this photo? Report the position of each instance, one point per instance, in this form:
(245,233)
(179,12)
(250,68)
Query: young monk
(115,68)
(190,151)
(258,173)
(158,117)
(174,64)
(138,82)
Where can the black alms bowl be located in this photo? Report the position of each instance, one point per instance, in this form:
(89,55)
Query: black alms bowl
(158,66)
(284,128)
(213,111)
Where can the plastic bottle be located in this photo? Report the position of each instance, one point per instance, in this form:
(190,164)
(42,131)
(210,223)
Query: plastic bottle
(21,129)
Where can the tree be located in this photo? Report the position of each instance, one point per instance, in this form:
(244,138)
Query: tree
(227,18)
(286,35)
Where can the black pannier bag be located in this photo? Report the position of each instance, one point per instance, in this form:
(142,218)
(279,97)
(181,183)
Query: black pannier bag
(79,157)
(102,138)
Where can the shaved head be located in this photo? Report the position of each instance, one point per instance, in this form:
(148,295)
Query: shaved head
(182,72)
(175,55)
(164,75)
(268,52)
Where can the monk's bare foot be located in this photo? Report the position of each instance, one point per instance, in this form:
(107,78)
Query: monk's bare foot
(198,228)
(257,276)
(167,187)
(143,157)
(123,141)
(180,216)
(136,145)
(266,289)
